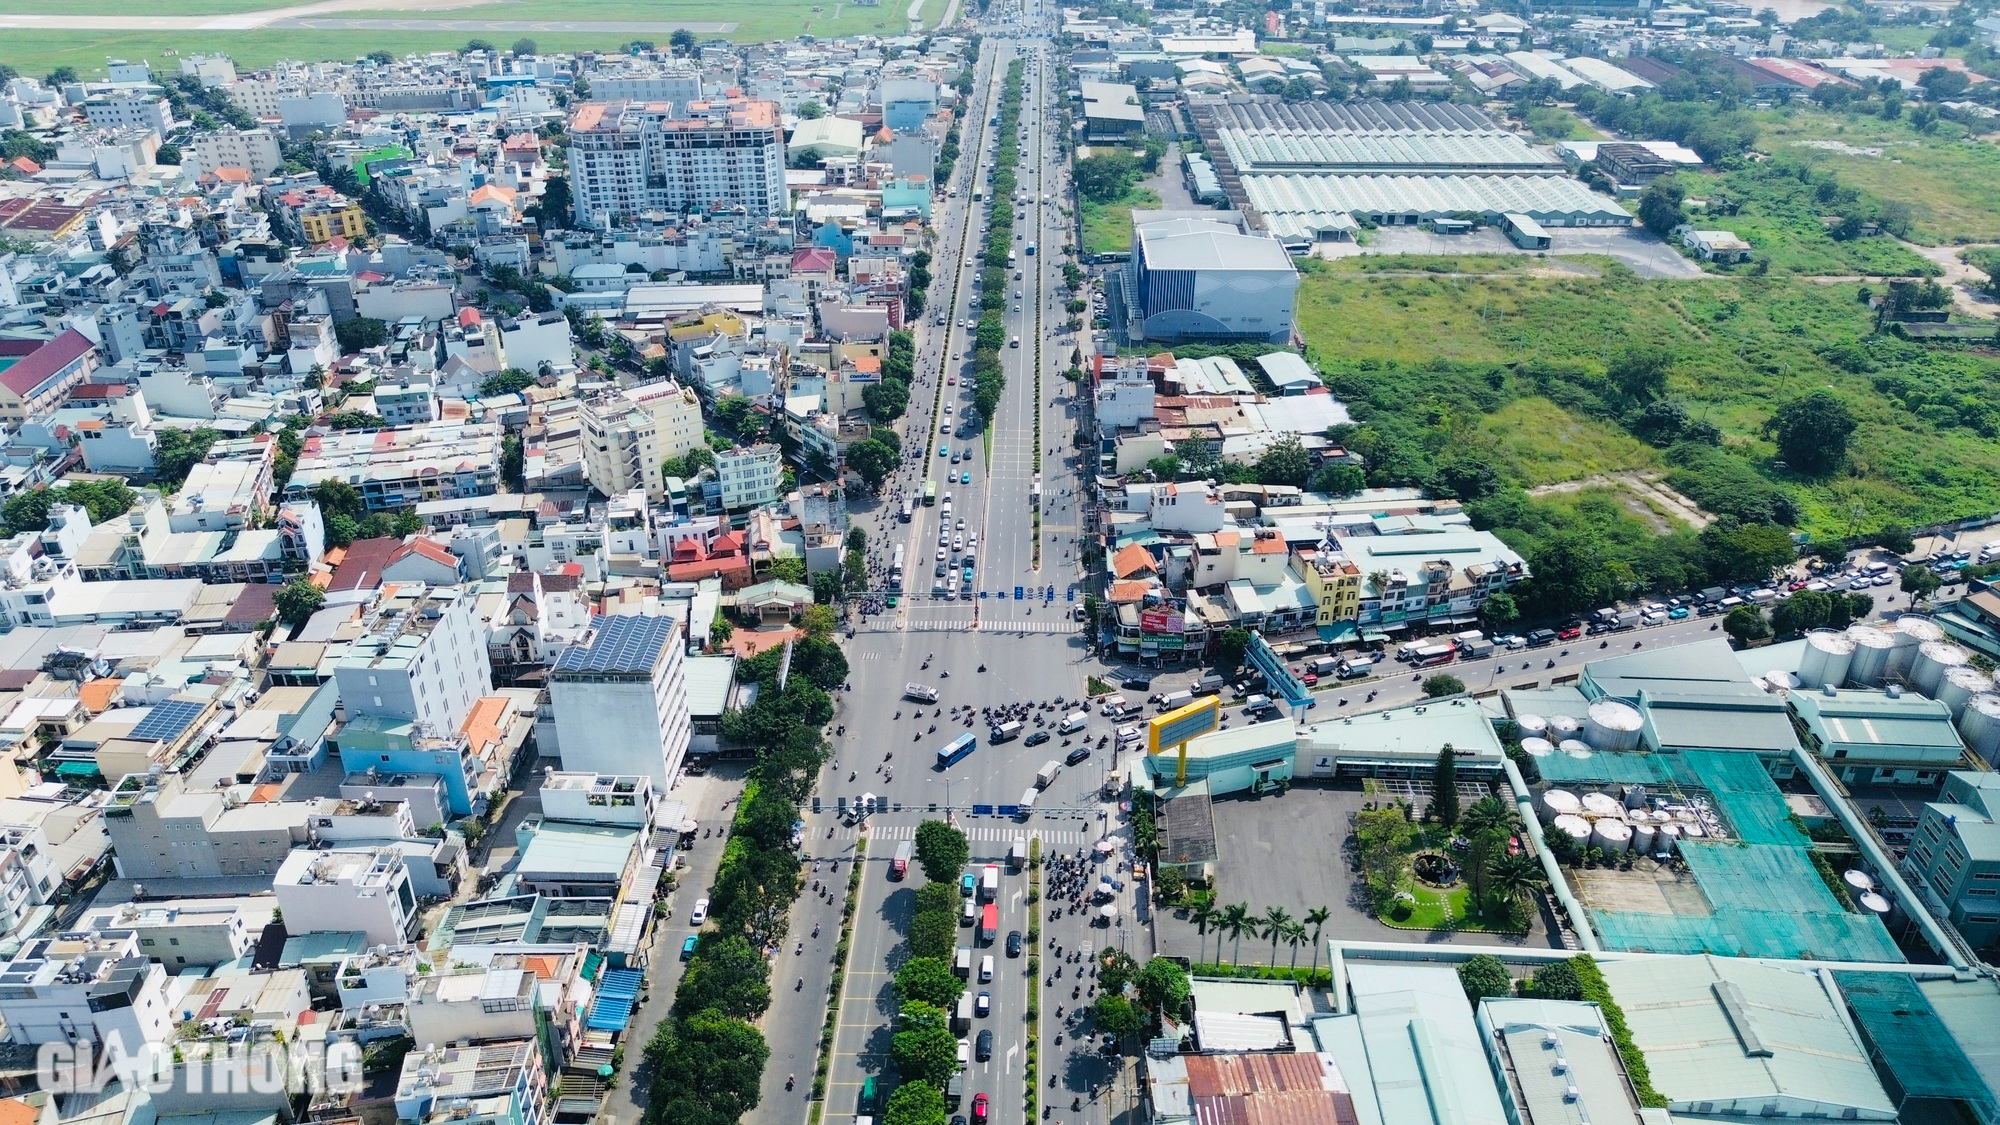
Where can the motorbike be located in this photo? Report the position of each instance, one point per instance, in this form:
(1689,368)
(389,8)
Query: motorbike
(982,667)
(945,675)
(801,986)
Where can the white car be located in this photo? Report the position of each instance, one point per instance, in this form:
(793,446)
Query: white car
(700,914)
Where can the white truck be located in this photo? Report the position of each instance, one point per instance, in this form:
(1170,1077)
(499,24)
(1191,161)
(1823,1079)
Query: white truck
(922,693)
(1046,776)
(1073,722)
(989,883)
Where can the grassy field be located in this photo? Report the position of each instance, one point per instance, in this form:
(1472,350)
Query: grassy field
(38,52)
(1511,369)
(1780,216)
(1952,184)
(1107,227)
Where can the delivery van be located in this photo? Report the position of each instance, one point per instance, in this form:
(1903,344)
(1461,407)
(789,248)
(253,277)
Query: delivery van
(1076,721)
(964,966)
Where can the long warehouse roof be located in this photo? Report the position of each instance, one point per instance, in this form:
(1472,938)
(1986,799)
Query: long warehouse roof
(1296,206)
(1355,117)
(1401,153)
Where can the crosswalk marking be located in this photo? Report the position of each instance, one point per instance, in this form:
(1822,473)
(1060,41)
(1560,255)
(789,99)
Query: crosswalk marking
(978,833)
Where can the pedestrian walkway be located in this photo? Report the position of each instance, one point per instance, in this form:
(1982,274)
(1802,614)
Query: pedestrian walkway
(990,625)
(979,833)
(961,625)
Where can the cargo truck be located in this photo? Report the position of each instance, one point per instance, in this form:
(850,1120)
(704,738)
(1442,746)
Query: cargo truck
(1046,776)
(1005,732)
(989,925)
(900,866)
(922,693)
(989,882)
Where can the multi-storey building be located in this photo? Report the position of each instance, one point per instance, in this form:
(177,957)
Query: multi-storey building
(628,434)
(628,157)
(1956,855)
(84,989)
(254,150)
(130,109)
(621,701)
(345,890)
(749,476)
(422,660)
(401,467)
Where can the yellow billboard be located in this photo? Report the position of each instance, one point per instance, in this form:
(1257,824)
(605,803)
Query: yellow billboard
(1176,727)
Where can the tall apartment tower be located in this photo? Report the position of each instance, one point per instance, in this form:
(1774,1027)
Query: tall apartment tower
(626,157)
(621,699)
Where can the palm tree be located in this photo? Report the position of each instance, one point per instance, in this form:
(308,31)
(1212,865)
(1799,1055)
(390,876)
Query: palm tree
(1273,924)
(1294,934)
(1235,920)
(1205,917)
(1317,918)
(1487,814)
(1512,877)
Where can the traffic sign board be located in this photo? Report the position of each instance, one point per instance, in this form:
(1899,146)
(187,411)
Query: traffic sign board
(1019,592)
(1010,810)
(982,810)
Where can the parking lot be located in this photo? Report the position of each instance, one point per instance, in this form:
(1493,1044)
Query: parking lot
(1288,850)
(1640,251)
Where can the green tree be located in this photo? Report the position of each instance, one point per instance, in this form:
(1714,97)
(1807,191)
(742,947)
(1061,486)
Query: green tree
(361,332)
(1485,975)
(886,400)
(1230,646)
(1556,981)
(1443,684)
(1571,572)
(1317,918)
(1236,921)
(927,1054)
(873,461)
(1745,552)
(1746,623)
(1499,610)
(929,979)
(1444,788)
(1340,480)
(1660,205)
(788,569)
(682,41)
(1285,463)
(1164,467)
(524,46)
(1382,839)
(917,1103)
(1811,432)
(1802,613)
(168,154)
(297,601)
(1511,878)
(1640,370)
(726,975)
(60,76)
(1117,1015)
(1205,917)
(942,851)
(179,451)
(1164,986)
(508,381)
(811,111)
(933,933)
(1919,582)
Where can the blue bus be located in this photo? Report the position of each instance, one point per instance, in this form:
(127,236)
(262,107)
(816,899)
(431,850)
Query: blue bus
(955,749)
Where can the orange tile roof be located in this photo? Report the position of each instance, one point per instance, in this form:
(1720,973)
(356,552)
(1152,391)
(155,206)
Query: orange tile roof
(1131,590)
(14,1111)
(1133,559)
(96,697)
(485,723)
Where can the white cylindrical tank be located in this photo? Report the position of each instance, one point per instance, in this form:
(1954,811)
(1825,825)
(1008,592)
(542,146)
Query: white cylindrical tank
(1858,880)
(1563,726)
(1612,835)
(1979,725)
(1959,686)
(1575,827)
(1576,748)
(1668,837)
(1933,657)
(1692,830)
(1531,726)
(1872,647)
(1910,634)
(1612,725)
(1643,837)
(1559,803)
(1827,657)
(1538,747)
(1596,805)
(1875,904)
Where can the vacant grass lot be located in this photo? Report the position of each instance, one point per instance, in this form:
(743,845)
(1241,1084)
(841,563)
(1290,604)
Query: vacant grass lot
(1952,184)
(38,52)
(1510,368)
(1107,227)
(1779,215)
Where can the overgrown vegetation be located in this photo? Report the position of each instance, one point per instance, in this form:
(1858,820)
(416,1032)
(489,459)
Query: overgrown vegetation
(1595,990)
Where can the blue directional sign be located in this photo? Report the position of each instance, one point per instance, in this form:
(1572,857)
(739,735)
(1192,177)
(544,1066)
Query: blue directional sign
(982,595)
(982,810)
(1010,810)
(1019,593)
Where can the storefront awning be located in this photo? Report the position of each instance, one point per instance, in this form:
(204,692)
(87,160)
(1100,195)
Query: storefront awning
(1339,633)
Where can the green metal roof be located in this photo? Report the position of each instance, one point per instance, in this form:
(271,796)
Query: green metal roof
(1869,723)
(1917,1051)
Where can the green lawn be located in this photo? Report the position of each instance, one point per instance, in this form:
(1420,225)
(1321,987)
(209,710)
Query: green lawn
(38,52)
(1107,227)
(1510,369)
(1951,184)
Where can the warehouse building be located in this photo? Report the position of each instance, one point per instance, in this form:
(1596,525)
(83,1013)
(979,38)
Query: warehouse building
(1197,275)
(1306,209)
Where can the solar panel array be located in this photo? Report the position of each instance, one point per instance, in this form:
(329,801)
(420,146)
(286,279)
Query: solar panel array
(625,644)
(167,720)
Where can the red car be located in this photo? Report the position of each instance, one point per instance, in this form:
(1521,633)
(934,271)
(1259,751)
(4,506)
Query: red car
(1309,679)
(979,1107)
(1570,632)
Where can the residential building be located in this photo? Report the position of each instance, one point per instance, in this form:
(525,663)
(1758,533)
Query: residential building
(322,220)
(422,659)
(85,990)
(498,1083)
(1955,857)
(129,109)
(364,890)
(534,341)
(620,699)
(159,830)
(42,374)
(1332,581)
(183,932)
(473,1005)
(400,467)
(750,476)
(629,434)
(630,157)
(253,150)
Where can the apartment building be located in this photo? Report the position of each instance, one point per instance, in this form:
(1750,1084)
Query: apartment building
(750,477)
(626,157)
(422,659)
(401,467)
(254,150)
(364,890)
(85,989)
(130,109)
(627,434)
(620,699)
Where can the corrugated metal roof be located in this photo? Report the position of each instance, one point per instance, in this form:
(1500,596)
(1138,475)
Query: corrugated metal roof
(1295,203)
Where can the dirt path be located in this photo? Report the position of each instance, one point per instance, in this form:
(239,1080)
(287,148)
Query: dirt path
(1965,281)
(1646,497)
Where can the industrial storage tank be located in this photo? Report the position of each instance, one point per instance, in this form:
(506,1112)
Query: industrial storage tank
(1599,805)
(1979,725)
(1875,904)
(1531,726)
(1911,633)
(1612,725)
(1575,827)
(1643,837)
(1563,726)
(1857,880)
(1613,836)
(1635,797)
(1538,747)
(1959,686)
(1692,830)
(1872,647)
(1667,838)
(1559,803)
(1933,658)
(1826,658)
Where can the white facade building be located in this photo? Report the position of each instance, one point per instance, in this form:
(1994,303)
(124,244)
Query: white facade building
(253,149)
(85,990)
(343,891)
(425,662)
(628,434)
(529,341)
(627,157)
(131,110)
(621,702)
(750,477)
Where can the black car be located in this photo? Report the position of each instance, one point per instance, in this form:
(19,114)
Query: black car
(1136,683)
(1037,738)
(1079,754)
(984,1048)
(1013,943)
(1541,638)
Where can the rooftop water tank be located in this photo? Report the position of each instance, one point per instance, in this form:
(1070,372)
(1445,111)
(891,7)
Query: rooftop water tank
(1872,647)
(1875,904)
(1612,725)
(1827,657)
(1858,879)
(1575,748)
(1667,838)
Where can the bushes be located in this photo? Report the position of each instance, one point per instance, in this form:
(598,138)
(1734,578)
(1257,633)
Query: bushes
(1591,979)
